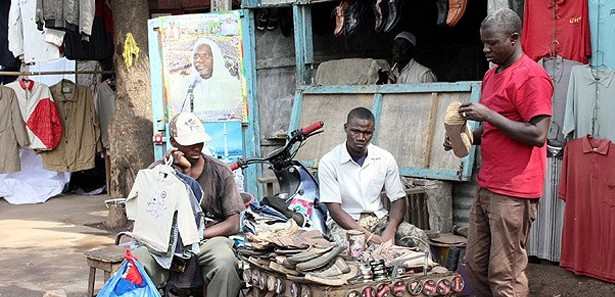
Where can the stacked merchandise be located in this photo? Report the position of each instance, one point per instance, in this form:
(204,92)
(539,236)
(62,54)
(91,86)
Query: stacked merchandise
(285,259)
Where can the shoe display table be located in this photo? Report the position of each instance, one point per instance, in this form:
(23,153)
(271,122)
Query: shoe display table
(265,282)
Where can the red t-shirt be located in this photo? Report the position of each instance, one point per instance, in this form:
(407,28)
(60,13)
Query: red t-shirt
(563,28)
(520,93)
(587,185)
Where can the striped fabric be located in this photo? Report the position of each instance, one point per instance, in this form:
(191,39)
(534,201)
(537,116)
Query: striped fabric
(546,233)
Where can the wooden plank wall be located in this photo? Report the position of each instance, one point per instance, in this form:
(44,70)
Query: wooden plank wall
(409,125)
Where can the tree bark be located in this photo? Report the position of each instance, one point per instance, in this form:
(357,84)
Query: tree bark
(130,132)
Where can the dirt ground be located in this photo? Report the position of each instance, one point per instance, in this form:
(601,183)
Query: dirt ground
(42,246)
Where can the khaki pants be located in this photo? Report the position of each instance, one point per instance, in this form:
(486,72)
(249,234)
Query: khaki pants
(218,264)
(495,254)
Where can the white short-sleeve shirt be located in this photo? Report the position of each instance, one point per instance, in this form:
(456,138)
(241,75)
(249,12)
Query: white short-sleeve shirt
(357,188)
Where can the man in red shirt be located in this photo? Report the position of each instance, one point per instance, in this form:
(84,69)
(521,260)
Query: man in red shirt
(515,111)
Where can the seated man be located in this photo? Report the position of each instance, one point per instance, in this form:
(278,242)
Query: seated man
(221,203)
(352,176)
(405,69)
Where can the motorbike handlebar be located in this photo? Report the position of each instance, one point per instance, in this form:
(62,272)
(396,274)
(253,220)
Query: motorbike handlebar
(311,128)
(296,136)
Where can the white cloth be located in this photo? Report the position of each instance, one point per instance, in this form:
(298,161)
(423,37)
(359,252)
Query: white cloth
(358,188)
(62,64)
(32,184)
(153,200)
(25,40)
(414,73)
(353,71)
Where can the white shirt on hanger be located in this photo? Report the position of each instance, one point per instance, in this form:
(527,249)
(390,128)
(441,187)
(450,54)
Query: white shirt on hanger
(25,40)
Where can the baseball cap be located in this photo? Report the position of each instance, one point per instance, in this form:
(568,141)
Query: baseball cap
(187,129)
(407,36)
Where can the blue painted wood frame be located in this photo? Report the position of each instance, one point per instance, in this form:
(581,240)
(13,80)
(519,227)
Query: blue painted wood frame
(251,139)
(251,136)
(155,65)
(465,171)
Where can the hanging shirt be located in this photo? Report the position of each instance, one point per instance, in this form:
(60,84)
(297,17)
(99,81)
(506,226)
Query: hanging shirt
(156,196)
(105,106)
(81,131)
(588,186)
(590,103)
(58,14)
(25,40)
(602,28)
(13,132)
(559,69)
(39,112)
(556,27)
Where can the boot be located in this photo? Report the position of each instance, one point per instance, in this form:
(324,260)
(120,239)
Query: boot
(380,13)
(352,17)
(394,15)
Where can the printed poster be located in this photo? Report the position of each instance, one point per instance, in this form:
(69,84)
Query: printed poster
(202,64)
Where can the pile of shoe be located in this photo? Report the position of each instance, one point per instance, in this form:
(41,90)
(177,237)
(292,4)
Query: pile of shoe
(299,255)
(395,256)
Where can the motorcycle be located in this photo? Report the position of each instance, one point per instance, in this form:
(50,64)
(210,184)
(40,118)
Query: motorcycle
(299,192)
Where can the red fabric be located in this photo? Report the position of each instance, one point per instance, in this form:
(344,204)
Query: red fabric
(25,83)
(132,273)
(587,185)
(570,38)
(104,10)
(519,93)
(45,123)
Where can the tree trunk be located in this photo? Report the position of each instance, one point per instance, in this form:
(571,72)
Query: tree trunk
(130,132)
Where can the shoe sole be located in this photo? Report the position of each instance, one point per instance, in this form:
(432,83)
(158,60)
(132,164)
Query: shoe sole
(457,130)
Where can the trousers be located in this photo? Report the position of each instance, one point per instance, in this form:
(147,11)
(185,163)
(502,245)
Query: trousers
(496,255)
(218,265)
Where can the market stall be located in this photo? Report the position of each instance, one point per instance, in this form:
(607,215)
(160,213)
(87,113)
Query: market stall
(282,260)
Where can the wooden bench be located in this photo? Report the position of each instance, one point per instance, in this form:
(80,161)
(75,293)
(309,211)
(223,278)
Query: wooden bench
(108,259)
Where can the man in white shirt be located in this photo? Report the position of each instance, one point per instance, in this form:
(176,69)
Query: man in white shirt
(352,176)
(405,69)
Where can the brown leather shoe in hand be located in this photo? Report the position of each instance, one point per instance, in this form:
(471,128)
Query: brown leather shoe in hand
(456,9)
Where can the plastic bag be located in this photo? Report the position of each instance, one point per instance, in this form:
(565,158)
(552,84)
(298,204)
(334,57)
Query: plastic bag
(130,280)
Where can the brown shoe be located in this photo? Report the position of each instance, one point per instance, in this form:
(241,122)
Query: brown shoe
(340,22)
(457,130)
(456,9)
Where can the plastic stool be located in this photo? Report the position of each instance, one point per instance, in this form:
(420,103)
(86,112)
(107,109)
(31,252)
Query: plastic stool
(109,259)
